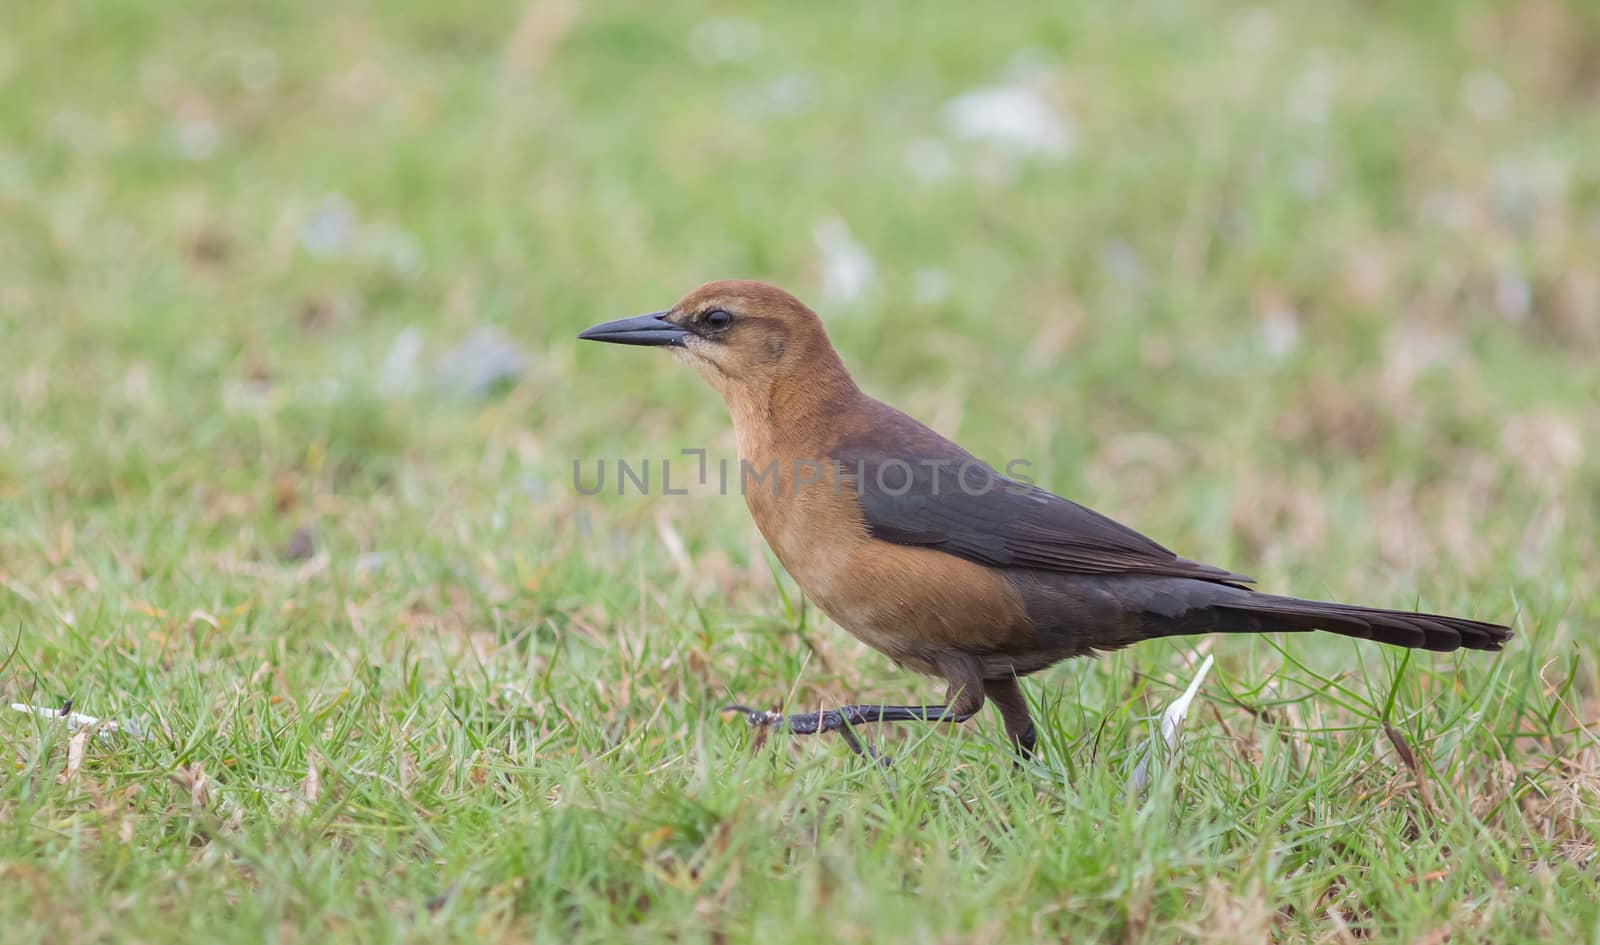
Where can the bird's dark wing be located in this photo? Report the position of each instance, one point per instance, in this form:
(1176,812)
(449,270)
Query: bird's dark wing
(924,490)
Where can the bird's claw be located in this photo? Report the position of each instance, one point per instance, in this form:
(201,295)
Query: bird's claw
(758,718)
(801,723)
(805,723)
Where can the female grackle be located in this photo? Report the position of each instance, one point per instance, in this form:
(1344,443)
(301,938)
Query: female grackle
(934,558)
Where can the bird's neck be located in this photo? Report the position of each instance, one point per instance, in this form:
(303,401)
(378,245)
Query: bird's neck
(797,412)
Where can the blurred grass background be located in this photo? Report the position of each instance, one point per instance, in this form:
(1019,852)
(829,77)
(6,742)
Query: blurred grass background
(291,400)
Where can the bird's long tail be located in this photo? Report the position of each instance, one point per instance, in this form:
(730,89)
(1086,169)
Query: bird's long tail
(1397,627)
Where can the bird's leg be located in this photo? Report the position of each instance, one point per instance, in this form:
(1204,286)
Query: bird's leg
(962,702)
(1006,694)
(832,720)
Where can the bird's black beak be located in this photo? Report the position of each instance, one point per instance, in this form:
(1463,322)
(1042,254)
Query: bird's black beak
(649,329)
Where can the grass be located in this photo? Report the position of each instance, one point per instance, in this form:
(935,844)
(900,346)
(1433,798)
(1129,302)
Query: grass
(1314,295)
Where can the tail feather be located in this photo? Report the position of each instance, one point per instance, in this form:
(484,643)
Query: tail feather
(1397,627)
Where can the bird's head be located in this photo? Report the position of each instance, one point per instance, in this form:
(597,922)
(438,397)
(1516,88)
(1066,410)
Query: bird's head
(747,339)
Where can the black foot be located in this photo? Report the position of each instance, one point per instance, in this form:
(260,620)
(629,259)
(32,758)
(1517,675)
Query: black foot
(801,723)
(814,723)
(1026,746)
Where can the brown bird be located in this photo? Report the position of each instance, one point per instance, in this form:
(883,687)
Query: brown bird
(931,556)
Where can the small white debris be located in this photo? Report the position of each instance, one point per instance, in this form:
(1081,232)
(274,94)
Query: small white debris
(1173,718)
(78,720)
(1014,117)
(75,720)
(1172,723)
(486,361)
(847,267)
(311,785)
(75,748)
(335,231)
(399,372)
(1280,331)
(331,228)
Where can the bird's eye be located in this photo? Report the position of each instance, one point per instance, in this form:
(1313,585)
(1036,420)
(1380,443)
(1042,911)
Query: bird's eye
(718,319)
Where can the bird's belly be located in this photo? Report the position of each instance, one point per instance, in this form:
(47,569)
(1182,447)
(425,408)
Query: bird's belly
(915,605)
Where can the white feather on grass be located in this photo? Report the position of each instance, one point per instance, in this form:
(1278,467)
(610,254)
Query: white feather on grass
(1171,724)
